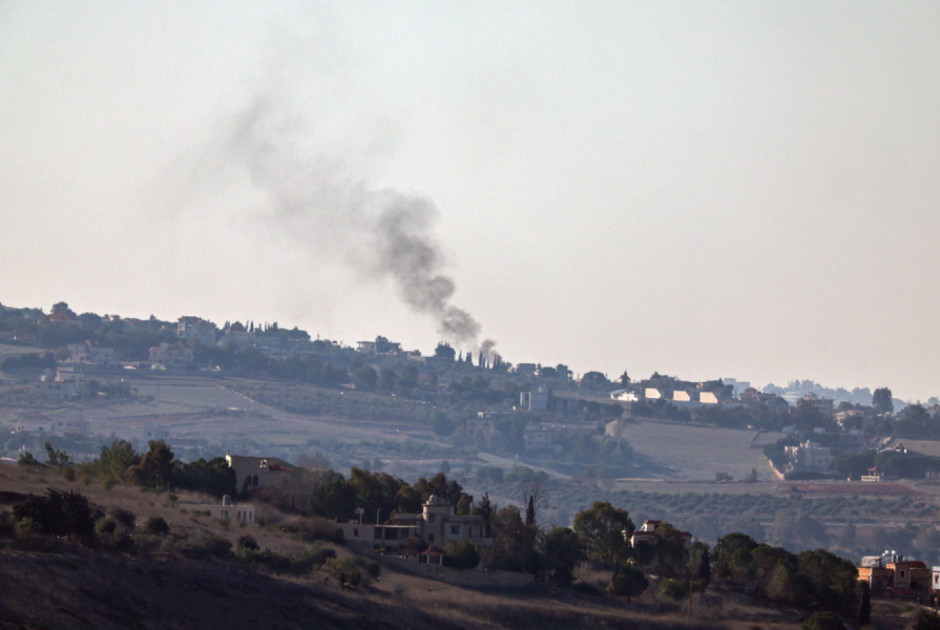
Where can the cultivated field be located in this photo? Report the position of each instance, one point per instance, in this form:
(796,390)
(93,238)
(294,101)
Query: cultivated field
(694,453)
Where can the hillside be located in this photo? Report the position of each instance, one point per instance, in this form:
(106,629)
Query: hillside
(63,585)
(316,402)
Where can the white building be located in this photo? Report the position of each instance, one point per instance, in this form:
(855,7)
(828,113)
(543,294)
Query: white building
(809,456)
(171,355)
(227,510)
(539,399)
(44,425)
(624,395)
(263,472)
(89,353)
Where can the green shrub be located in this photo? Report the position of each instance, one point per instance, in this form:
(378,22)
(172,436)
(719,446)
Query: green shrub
(7,526)
(320,555)
(123,517)
(926,620)
(344,571)
(275,562)
(58,513)
(296,564)
(372,567)
(586,588)
(28,459)
(145,543)
(461,555)
(204,547)
(627,581)
(26,528)
(674,588)
(105,525)
(156,525)
(823,620)
(247,542)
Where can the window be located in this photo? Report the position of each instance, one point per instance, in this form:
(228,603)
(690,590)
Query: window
(455,530)
(431,517)
(224,514)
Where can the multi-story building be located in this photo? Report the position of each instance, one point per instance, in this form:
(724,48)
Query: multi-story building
(171,355)
(437,524)
(809,456)
(190,327)
(538,399)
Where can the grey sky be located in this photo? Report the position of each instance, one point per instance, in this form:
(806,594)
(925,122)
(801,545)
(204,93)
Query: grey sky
(701,189)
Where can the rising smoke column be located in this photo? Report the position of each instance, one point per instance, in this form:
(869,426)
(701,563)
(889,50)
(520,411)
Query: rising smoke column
(407,252)
(382,234)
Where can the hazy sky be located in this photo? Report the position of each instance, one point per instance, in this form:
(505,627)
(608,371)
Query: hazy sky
(726,189)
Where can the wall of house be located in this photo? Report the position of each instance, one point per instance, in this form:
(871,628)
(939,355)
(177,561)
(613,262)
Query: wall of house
(467,579)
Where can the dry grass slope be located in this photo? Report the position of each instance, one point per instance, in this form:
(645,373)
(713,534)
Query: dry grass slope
(69,586)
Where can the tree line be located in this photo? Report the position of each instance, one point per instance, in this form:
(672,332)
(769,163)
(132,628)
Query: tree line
(156,469)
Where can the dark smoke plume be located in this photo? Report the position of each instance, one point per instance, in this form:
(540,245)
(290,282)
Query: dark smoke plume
(380,233)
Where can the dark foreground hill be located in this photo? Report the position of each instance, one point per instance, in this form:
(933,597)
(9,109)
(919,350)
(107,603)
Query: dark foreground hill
(74,587)
(160,582)
(79,588)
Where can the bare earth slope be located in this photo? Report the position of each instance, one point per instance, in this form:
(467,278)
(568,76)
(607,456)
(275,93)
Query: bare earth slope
(79,588)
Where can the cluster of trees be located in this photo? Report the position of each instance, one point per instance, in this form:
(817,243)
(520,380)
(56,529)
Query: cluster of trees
(519,475)
(913,422)
(817,579)
(57,513)
(131,342)
(768,415)
(444,353)
(42,361)
(605,532)
(385,380)
(330,494)
(893,463)
(156,469)
(479,389)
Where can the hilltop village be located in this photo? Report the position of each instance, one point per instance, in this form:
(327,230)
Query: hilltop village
(57,360)
(527,470)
